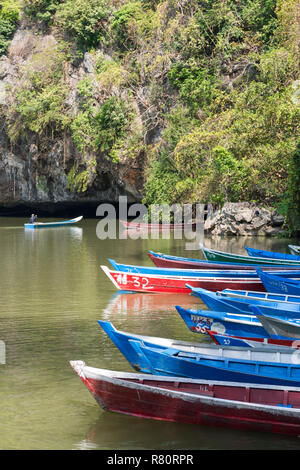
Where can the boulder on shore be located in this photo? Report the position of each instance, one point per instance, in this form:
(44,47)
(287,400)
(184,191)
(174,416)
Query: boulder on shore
(244,219)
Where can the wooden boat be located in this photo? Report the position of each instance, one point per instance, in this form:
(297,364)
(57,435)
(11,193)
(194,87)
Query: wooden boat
(176,362)
(211,356)
(159,226)
(278,284)
(241,325)
(132,268)
(271,254)
(215,255)
(251,342)
(138,282)
(63,223)
(168,261)
(294,249)
(217,302)
(267,296)
(207,403)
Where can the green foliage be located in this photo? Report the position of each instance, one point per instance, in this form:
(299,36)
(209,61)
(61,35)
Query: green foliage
(99,128)
(197,87)
(39,101)
(9,17)
(129,25)
(83,20)
(79,180)
(41,10)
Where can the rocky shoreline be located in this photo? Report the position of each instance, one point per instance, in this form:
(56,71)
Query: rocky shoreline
(244,219)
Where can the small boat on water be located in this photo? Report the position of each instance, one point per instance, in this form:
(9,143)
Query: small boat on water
(176,362)
(278,284)
(267,296)
(161,260)
(251,342)
(252,274)
(210,358)
(294,249)
(143,282)
(234,324)
(159,226)
(215,255)
(218,302)
(63,223)
(207,403)
(271,254)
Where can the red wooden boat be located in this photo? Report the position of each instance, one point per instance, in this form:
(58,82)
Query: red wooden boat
(208,403)
(176,262)
(159,226)
(137,282)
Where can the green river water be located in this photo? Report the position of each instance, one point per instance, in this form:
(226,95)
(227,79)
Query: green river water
(53,291)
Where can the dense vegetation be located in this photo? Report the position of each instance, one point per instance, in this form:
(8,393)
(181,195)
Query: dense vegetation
(217,82)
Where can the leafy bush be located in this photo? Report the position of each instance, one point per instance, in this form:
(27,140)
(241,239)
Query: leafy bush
(83,20)
(9,17)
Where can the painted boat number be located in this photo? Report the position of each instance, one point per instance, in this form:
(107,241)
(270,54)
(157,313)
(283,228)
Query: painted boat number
(137,282)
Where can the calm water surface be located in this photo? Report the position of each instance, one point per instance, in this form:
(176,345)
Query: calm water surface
(53,293)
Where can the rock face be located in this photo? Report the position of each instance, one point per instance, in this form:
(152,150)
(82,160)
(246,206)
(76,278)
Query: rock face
(34,171)
(243,219)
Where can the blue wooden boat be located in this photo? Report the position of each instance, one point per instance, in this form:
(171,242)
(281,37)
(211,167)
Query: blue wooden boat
(202,321)
(279,284)
(177,362)
(149,270)
(125,343)
(63,223)
(230,341)
(271,255)
(217,302)
(267,296)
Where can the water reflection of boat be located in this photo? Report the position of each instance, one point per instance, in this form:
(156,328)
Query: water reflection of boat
(124,303)
(74,232)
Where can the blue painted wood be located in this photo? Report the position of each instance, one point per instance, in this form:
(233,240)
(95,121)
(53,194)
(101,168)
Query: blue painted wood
(271,254)
(238,364)
(202,321)
(183,364)
(215,301)
(260,295)
(199,273)
(38,225)
(279,284)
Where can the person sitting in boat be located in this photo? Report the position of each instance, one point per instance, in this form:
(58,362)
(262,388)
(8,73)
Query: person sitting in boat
(33,219)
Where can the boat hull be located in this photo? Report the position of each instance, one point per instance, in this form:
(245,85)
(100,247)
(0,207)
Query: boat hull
(276,284)
(221,303)
(175,262)
(271,255)
(194,402)
(190,365)
(63,223)
(137,282)
(202,321)
(153,226)
(128,345)
(252,342)
(215,255)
